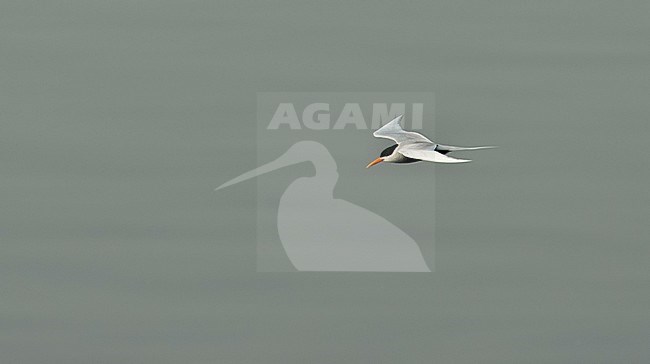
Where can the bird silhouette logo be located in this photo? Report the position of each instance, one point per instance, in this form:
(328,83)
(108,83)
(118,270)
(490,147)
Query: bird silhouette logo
(321,233)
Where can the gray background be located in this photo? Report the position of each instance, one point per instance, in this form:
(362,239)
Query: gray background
(118,118)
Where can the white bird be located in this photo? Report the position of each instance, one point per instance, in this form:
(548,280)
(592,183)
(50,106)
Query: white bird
(323,233)
(414,147)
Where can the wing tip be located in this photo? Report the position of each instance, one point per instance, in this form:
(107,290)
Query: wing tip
(395,120)
(393,125)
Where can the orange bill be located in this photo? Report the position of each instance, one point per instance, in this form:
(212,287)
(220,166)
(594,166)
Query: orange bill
(378,160)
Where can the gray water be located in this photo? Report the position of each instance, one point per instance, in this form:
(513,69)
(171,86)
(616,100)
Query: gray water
(118,118)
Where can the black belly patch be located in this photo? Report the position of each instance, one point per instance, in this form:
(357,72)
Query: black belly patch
(407,160)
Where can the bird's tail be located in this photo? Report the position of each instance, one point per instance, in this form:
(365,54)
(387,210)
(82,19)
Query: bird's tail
(450,148)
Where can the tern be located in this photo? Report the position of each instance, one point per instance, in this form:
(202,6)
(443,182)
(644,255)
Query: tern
(414,147)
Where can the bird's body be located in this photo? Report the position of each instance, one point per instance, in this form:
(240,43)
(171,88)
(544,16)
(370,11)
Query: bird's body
(389,155)
(414,147)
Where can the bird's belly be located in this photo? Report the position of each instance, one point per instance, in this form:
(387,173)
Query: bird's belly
(400,159)
(405,160)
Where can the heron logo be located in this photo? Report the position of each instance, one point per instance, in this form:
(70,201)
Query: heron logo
(341,236)
(338,216)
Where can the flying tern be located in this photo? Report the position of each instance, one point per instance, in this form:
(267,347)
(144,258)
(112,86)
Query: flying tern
(414,147)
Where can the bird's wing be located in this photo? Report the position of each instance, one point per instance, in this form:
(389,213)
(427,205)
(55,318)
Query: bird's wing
(426,152)
(451,148)
(394,131)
